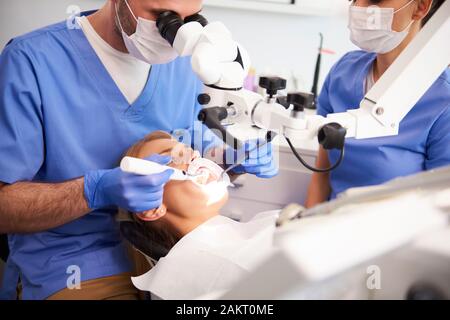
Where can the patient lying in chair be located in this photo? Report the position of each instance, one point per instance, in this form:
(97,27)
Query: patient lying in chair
(199,253)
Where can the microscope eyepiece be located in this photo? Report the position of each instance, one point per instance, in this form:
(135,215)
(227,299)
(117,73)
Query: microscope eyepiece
(197,18)
(168,24)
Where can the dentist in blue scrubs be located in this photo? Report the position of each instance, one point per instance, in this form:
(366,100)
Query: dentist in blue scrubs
(73,99)
(424,139)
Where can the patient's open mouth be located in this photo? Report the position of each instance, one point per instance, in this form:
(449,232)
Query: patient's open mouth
(205,176)
(210,179)
(205,171)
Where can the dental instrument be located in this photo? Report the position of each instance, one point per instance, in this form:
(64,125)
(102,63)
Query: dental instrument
(193,173)
(242,160)
(145,167)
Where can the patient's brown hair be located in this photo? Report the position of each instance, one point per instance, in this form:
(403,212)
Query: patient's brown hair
(156,231)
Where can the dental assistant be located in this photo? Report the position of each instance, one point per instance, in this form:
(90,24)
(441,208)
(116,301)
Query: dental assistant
(382,32)
(73,99)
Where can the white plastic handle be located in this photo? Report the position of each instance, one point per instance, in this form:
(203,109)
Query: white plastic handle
(145,167)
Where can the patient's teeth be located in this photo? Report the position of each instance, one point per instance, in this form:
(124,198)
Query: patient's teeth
(205,171)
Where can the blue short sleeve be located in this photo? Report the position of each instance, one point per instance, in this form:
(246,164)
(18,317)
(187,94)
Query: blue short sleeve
(323,102)
(21,133)
(438,144)
(324,106)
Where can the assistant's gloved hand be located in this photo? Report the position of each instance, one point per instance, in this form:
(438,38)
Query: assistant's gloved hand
(135,193)
(260,160)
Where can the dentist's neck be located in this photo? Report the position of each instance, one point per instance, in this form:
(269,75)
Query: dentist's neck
(104,23)
(384,61)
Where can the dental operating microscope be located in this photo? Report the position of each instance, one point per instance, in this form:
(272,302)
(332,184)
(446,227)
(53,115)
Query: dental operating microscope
(222,65)
(400,229)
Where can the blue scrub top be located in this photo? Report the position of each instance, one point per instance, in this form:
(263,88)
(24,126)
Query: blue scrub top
(62,115)
(423,142)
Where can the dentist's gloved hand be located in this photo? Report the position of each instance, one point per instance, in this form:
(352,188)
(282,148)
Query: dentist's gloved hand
(260,161)
(135,193)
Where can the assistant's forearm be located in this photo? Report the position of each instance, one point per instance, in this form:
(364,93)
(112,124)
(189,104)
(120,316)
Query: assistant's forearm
(319,190)
(27,207)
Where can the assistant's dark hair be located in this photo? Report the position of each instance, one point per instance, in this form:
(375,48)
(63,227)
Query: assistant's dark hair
(155,231)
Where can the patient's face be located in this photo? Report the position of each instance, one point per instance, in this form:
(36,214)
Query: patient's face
(185,198)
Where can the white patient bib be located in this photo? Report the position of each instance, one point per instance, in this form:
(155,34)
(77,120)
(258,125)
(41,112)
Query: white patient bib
(211,259)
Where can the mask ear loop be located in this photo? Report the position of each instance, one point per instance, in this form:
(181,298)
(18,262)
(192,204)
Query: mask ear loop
(117,17)
(398,10)
(409,26)
(429,9)
(131,11)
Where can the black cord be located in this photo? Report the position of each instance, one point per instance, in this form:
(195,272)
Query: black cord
(303,162)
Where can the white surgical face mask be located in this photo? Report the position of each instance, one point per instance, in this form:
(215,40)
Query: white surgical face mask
(146,43)
(371,28)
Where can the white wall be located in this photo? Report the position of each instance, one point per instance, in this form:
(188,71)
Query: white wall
(20,16)
(277,43)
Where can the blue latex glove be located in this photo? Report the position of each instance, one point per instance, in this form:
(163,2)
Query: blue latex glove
(260,161)
(135,193)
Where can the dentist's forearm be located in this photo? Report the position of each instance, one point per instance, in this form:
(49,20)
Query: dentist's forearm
(27,207)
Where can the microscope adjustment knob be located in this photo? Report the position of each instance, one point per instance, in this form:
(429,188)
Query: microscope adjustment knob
(332,136)
(272,84)
(282,100)
(300,100)
(203,99)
